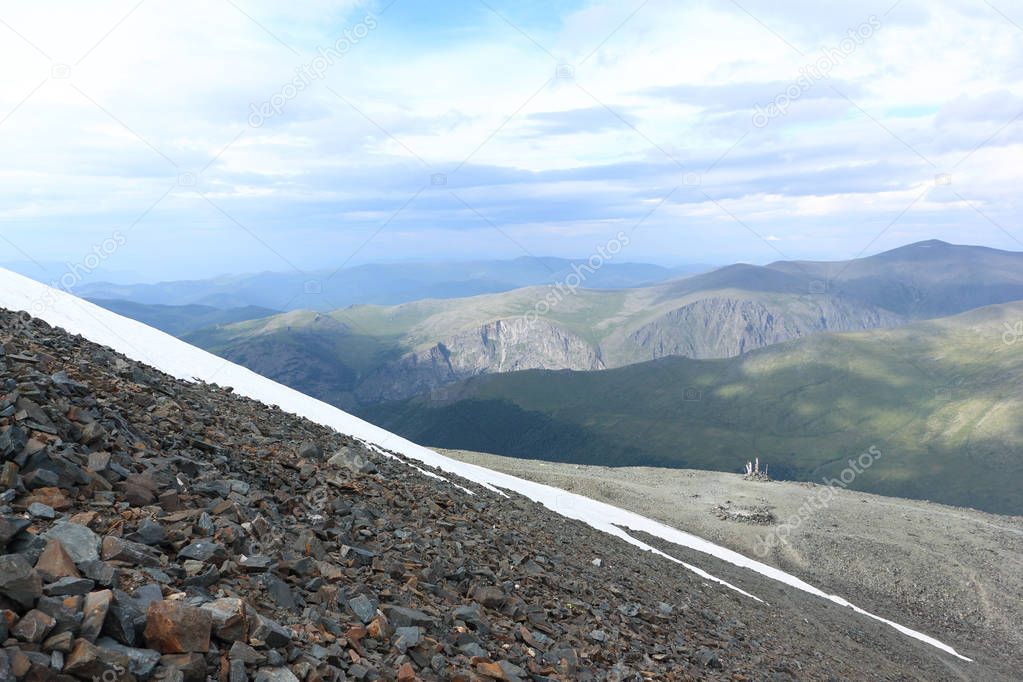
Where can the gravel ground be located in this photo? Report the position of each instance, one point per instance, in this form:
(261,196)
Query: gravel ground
(956,574)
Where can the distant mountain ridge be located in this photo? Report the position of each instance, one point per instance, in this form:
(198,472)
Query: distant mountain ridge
(180,320)
(380,284)
(927,279)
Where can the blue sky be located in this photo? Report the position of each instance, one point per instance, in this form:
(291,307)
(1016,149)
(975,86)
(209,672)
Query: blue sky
(216,136)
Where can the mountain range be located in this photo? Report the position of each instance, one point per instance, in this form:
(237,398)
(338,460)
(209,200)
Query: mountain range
(379,283)
(362,355)
(753,343)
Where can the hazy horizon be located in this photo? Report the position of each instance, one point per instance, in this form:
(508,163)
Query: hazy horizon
(50,272)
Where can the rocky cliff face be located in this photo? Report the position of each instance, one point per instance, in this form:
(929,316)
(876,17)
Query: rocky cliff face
(501,346)
(721,327)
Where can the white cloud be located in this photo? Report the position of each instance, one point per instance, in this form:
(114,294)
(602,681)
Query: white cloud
(173,83)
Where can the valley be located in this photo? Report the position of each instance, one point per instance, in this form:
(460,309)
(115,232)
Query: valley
(940,399)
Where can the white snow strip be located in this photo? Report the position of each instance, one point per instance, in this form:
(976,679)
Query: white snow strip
(177,358)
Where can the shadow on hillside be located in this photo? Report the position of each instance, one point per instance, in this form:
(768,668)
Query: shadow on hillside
(805,417)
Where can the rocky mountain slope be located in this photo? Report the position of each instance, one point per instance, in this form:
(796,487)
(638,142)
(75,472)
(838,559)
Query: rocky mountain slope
(943,399)
(726,327)
(371,353)
(158,529)
(496,347)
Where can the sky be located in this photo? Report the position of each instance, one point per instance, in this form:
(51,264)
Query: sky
(185,139)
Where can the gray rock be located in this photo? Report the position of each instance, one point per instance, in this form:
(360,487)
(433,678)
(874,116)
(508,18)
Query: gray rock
(629,610)
(69,586)
(467,614)
(511,671)
(157,575)
(33,627)
(255,564)
(240,487)
(490,596)
(310,451)
(19,581)
(125,620)
(142,661)
(80,542)
(245,654)
(363,607)
(231,617)
(41,511)
(205,578)
(149,532)
(709,659)
(400,616)
(192,665)
(279,591)
(10,526)
(62,642)
(271,633)
(147,594)
(275,675)
(131,553)
(170,674)
(204,550)
(68,619)
(347,458)
(409,636)
(99,571)
(205,525)
(473,649)
(28,545)
(95,609)
(98,461)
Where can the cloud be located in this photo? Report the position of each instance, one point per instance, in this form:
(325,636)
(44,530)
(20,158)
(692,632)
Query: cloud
(596,119)
(157,92)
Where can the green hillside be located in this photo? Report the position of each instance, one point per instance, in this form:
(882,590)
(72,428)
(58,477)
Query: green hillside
(941,400)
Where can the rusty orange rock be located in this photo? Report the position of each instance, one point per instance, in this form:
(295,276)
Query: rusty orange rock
(176,628)
(491,670)
(51,497)
(56,563)
(406,673)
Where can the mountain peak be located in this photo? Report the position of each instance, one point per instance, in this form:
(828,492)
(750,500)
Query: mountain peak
(927,243)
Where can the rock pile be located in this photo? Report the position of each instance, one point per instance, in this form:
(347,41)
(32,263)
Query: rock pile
(758,515)
(152,529)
